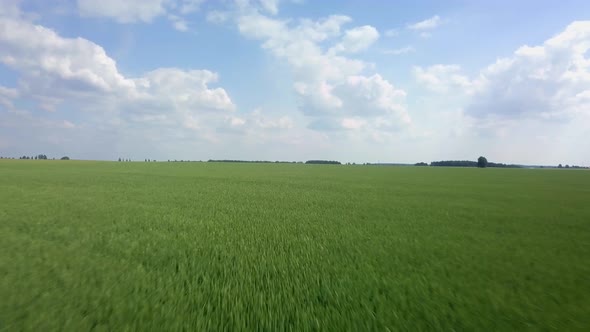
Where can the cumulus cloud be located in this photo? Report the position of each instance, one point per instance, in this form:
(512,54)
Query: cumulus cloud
(75,72)
(443,78)
(258,119)
(128,11)
(217,16)
(327,83)
(55,66)
(424,28)
(400,51)
(356,40)
(135,11)
(190,6)
(7,95)
(270,6)
(391,33)
(551,80)
(427,24)
(67,75)
(178,23)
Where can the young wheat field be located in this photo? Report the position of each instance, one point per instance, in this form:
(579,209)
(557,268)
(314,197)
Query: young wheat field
(108,246)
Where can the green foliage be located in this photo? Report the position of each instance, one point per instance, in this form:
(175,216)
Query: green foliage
(482,162)
(323,162)
(111,246)
(454,163)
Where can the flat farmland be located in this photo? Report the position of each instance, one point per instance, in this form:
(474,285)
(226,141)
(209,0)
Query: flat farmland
(114,246)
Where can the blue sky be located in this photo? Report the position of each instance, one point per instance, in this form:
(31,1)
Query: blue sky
(358,81)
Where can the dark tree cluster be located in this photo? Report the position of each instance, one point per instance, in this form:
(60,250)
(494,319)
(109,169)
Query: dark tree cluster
(421,164)
(500,165)
(323,162)
(454,163)
(124,159)
(481,162)
(251,161)
(37,157)
(573,166)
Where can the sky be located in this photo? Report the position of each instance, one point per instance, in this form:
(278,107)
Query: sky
(349,80)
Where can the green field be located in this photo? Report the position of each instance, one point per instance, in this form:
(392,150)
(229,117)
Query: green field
(114,246)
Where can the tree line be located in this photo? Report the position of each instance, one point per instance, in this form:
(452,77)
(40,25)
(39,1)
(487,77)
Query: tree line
(252,161)
(37,157)
(481,162)
(568,166)
(323,162)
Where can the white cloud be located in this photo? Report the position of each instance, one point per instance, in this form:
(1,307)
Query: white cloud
(443,78)
(178,23)
(391,33)
(76,73)
(236,121)
(187,91)
(372,96)
(356,40)
(270,6)
(327,83)
(128,11)
(551,80)
(428,24)
(190,6)
(135,11)
(400,51)
(547,81)
(7,95)
(283,122)
(353,123)
(51,62)
(217,17)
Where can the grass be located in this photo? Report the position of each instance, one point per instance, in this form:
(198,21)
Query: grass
(202,246)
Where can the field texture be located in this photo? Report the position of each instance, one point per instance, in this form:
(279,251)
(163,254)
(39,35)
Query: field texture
(204,246)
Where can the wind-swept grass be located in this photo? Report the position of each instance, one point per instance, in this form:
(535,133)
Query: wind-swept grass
(206,246)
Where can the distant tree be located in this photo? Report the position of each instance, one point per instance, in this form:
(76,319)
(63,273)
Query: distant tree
(559,166)
(65,158)
(323,162)
(567,166)
(119,159)
(482,162)
(421,164)
(454,163)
